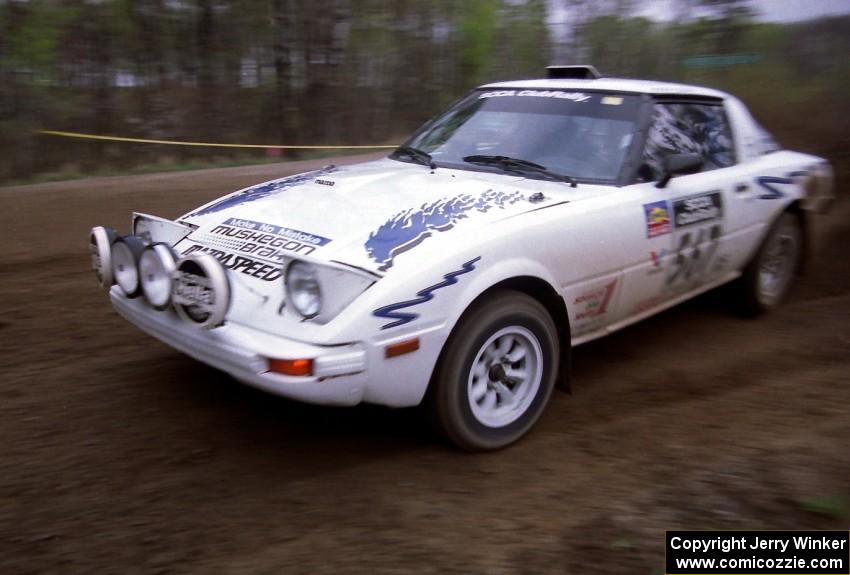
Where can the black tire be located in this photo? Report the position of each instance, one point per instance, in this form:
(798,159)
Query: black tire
(526,328)
(768,277)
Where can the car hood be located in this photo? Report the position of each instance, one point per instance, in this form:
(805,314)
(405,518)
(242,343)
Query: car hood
(364,215)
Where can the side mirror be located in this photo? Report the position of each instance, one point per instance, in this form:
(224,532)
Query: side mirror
(678,164)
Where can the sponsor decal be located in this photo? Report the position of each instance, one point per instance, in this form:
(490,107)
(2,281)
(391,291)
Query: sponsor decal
(326,182)
(697,209)
(594,303)
(657,216)
(697,244)
(242,264)
(267,243)
(263,231)
(261,191)
(408,229)
(559,94)
(611,100)
(393,311)
(657,259)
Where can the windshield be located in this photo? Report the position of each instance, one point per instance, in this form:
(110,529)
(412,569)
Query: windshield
(580,135)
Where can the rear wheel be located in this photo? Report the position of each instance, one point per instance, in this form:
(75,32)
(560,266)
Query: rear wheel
(768,276)
(496,373)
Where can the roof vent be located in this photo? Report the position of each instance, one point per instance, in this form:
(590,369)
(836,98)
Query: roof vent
(573,72)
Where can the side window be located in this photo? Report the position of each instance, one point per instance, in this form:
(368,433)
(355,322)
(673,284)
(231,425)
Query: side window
(687,128)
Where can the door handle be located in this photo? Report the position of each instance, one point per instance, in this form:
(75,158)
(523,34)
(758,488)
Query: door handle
(741,188)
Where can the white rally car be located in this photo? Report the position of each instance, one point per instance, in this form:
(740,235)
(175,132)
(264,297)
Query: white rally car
(530,217)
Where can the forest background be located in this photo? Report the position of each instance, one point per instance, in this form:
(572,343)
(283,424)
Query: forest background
(367,72)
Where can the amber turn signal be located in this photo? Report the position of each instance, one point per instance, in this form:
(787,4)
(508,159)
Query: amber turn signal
(402,347)
(300,367)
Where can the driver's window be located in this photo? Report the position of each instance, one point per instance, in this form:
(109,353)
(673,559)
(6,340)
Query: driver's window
(687,128)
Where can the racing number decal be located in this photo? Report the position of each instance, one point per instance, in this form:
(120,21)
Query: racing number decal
(697,245)
(694,255)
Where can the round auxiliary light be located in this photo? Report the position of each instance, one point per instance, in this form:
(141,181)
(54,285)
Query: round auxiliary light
(156,265)
(200,291)
(303,290)
(126,252)
(100,249)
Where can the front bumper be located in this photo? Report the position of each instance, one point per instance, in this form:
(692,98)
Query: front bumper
(340,371)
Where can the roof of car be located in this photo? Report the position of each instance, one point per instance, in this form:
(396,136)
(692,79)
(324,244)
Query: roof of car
(612,85)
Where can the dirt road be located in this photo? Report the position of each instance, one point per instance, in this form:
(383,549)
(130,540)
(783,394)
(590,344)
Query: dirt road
(119,455)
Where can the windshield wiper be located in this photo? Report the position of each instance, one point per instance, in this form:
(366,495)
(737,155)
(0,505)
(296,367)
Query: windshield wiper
(518,165)
(417,155)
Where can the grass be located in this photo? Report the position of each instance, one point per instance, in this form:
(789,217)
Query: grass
(835,506)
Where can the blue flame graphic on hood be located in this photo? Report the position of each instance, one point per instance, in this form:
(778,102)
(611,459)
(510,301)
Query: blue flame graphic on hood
(409,228)
(261,191)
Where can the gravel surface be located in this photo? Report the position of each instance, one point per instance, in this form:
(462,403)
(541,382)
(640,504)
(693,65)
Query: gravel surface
(120,455)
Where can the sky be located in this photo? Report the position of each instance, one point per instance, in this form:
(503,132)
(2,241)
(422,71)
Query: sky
(768,10)
(561,21)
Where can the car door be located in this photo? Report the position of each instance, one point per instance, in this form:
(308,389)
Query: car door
(680,246)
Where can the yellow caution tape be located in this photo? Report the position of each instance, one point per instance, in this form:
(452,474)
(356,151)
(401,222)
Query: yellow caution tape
(207,144)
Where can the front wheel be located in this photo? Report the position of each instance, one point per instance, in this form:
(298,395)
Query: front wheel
(496,373)
(768,276)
